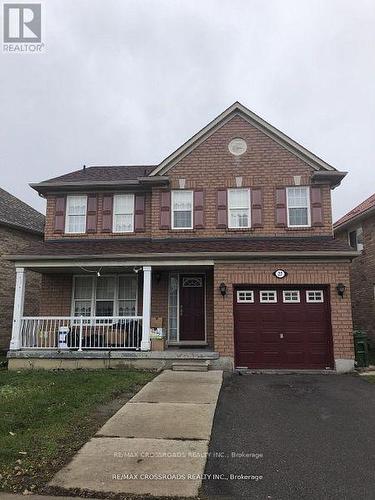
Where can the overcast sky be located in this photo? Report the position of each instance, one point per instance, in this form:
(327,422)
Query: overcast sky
(128,81)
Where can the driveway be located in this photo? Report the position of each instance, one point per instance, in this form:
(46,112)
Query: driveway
(306,436)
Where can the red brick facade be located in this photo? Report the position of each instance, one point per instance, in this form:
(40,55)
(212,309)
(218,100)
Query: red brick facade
(210,167)
(266,165)
(362,278)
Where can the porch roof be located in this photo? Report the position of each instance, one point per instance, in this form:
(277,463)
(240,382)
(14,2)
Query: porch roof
(233,247)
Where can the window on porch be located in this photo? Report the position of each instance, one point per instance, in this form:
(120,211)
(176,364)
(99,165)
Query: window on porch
(105,295)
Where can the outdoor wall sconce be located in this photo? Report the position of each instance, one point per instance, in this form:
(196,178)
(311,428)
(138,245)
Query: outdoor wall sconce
(223,289)
(340,287)
(158,277)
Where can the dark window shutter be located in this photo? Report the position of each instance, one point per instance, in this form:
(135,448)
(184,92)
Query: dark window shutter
(256,207)
(92,213)
(316,206)
(107,213)
(281,218)
(165,210)
(60,204)
(198,209)
(139,212)
(222,215)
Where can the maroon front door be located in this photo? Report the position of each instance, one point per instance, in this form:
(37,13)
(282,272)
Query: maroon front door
(283,327)
(192,323)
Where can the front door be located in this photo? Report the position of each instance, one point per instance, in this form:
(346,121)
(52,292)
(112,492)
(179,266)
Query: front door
(192,320)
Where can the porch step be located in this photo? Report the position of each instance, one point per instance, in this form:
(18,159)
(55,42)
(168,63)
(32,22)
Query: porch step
(196,366)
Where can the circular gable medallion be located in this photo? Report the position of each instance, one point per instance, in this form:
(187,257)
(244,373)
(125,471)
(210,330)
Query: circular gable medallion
(237,146)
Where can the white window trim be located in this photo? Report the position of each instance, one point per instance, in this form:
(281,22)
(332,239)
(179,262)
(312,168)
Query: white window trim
(192,208)
(233,208)
(314,301)
(245,301)
(291,301)
(114,214)
(70,196)
(308,207)
(262,301)
(93,293)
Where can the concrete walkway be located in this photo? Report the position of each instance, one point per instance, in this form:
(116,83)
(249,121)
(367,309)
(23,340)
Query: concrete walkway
(156,444)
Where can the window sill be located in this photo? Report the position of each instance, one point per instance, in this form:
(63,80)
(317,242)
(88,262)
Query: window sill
(299,228)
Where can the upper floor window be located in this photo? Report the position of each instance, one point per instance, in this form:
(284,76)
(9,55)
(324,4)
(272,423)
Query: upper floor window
(356,239)
(76,208)
(182,209)
(238,208)
(298,205)
(123,213)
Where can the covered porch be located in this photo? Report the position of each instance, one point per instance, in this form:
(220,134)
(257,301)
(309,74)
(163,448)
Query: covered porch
(103,307)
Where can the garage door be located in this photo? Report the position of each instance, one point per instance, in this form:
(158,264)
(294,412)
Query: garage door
(282,327)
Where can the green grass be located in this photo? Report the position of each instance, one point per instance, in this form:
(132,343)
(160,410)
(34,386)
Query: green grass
(45,417)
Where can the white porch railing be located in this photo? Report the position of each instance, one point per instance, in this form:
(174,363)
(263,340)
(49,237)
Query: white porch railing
(99,332)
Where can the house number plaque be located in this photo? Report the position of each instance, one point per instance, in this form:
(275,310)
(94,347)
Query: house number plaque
(280,273)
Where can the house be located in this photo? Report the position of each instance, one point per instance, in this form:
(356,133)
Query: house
(20,225)
(357,228)
(227,243)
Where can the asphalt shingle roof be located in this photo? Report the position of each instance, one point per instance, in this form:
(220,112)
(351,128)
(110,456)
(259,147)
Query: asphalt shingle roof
(139,246)
(16,213)
(103,173)
(357,211)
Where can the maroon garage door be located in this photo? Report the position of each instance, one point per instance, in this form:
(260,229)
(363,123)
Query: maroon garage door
(286,327)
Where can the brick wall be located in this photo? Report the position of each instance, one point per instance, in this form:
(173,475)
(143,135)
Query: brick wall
(298,273)
(265,164)
(11,242)
(362,279)
(210,166)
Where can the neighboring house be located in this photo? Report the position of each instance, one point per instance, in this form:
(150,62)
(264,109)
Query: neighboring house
(357,228)
(227,243)
(19,226)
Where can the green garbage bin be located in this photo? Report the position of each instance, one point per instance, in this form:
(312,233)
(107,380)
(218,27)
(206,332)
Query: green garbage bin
(361,349)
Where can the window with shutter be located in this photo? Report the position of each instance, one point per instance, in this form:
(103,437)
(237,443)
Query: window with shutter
(182,209)
(123,213)
(298,206)
(76,208)
(239,208)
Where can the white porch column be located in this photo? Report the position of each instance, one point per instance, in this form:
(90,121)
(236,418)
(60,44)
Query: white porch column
(19,298)
(146,313)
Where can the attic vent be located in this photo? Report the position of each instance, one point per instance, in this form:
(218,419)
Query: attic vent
(237,146)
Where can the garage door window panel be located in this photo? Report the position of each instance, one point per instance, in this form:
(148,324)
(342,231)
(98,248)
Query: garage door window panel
(314,296)
(245,296)
(268,296)
(290,296)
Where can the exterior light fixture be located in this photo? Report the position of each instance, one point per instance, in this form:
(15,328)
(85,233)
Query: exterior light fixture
(223,289)
(340,287)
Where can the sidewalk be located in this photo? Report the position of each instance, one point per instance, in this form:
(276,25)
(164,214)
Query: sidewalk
(156,444)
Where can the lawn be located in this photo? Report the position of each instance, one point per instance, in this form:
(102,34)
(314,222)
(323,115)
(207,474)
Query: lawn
(45,417)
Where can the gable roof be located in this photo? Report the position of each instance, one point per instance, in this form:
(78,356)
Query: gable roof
(18,214)
(358,212)
(122,175)
(240,110)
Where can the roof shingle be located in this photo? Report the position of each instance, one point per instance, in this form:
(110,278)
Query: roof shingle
(137,247)
(103,173)
(357,211)
(16,213)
